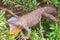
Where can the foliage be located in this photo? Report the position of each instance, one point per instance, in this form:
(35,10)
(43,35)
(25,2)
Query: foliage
(34,35)
(55,34)
(4,29)
(26,5)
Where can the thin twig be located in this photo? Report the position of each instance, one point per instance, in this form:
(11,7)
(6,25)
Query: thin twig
(41,28)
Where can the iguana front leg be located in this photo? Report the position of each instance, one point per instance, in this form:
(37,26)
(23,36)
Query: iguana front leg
(25,26)
(28,34)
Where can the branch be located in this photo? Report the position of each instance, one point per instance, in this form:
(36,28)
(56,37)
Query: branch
(5,9)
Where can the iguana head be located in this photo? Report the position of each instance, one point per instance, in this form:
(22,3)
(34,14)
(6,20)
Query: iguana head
(14,29)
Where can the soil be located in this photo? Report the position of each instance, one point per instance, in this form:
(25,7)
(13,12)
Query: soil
(18,11)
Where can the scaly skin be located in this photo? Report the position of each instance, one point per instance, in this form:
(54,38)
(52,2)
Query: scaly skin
(32,19)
